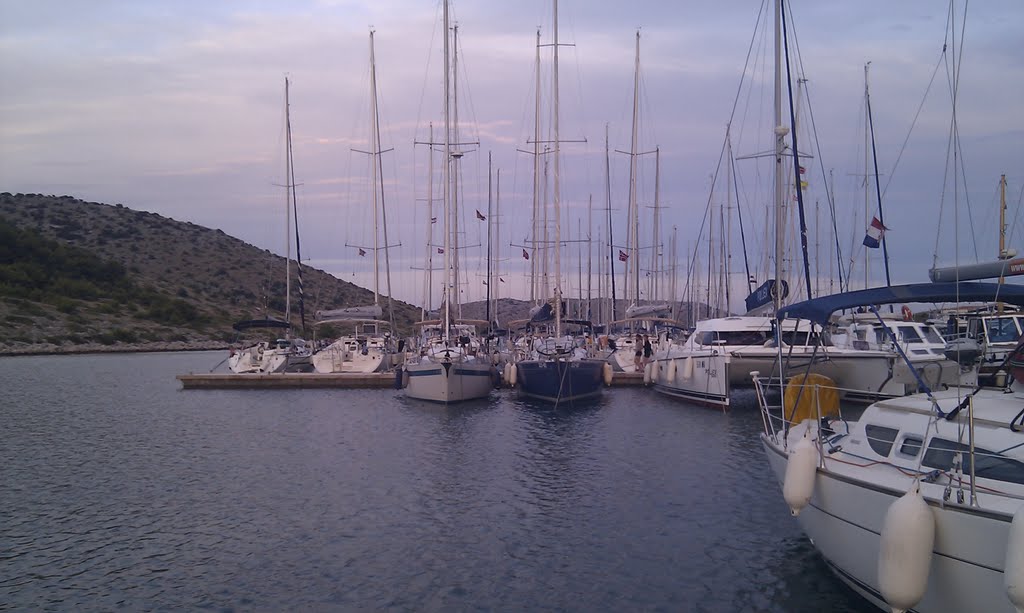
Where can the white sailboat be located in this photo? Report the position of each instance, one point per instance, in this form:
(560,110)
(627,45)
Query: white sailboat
(916,504)
(448,367)
(285,354)
(640,318)
(367,346)
(723,352)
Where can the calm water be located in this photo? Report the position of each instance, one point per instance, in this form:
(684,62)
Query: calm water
(118,489)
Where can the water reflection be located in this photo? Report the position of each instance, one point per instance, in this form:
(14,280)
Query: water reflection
(123,491)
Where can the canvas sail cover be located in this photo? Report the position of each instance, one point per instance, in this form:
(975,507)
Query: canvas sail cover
(647,310)
(373,311)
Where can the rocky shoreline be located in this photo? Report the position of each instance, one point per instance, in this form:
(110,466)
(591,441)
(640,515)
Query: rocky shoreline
(70,349)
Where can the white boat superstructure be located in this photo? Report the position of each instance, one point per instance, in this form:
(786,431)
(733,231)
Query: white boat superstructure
(861,468)
(721,354)
(910,503)
(365,350)
(282,355)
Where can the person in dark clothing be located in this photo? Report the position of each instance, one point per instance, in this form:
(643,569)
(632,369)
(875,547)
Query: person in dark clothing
(648,350)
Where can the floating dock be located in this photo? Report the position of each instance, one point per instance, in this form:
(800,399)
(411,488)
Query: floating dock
(287,380)
(297,380)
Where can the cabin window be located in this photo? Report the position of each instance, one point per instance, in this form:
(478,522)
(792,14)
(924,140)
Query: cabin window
(911,446)
(932,336)
(881,438)
(908,334)
(1002,330)
(990,465)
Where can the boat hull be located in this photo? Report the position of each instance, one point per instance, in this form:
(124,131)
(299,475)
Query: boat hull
(844,522)
(703,380)
(448,381)
(560,380)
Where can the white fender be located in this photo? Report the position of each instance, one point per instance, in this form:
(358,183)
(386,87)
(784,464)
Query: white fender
(670,375)
(405,378)
(512,373)
(506,373)
(905,551)
(688,368)
(1013,570)
(647,373)
(606,372)
(798,485)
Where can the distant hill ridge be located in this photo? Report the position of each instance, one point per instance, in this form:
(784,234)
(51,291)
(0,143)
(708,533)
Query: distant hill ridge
(81,276)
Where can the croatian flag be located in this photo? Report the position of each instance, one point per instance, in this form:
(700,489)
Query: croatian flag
(875,233)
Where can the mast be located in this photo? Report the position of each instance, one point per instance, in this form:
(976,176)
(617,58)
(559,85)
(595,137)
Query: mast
(534,297)
(497,241)
(446,298)
(558,219)
(611,241)
(378,185)
(429,289)
(374,155)
(634,208)
(490,244)
(456,156)
(590,252)
(780,147)
(287,207)
(867,203)
(1002,217)
(655,291)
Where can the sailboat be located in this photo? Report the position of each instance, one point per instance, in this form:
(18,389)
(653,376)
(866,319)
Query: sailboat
(284,354)
(721,353)
(916,504)
(640,319)
(558,368)
(369,346)
(448,366)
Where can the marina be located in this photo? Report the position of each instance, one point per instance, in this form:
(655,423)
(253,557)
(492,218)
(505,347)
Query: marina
(146,497)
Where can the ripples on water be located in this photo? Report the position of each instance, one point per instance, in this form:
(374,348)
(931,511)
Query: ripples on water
(120,490)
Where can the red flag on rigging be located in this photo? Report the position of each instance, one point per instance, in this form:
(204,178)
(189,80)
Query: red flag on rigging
(623,256)
(362,252)
(480,215)
(526,255)
(440,250)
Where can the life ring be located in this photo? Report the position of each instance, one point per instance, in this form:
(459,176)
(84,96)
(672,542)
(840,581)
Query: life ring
(908,315)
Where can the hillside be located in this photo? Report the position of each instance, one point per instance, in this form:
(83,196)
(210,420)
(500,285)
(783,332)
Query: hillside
(85,276)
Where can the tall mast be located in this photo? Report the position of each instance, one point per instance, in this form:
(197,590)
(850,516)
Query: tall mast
(780,147)
(558,202)
(447,177)
(378,172)
(1002,218)
(497,241)
(1002,226)
(634,208)
(490,243)
(536,180)
(611,241)
(655,291)
(456,156)
(287,207)
(590,252)
(374,154)
(867,178)
(429,289)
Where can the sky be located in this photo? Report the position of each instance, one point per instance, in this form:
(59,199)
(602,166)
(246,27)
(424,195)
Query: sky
(178,108)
